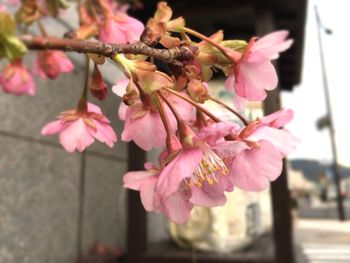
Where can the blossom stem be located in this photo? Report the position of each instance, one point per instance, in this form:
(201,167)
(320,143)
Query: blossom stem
(41,28)
(239,116)
(173,110)
(202,109)
(163,115)
(207,39)
(82,104)
(200,119)
(79,11)
(108,50)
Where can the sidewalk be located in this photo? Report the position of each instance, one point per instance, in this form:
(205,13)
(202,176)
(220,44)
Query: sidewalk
(322,241)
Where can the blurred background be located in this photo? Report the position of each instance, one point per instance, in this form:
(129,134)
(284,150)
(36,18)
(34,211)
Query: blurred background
(59,207)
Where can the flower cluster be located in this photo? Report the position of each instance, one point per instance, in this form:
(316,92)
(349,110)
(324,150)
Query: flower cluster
(202,155)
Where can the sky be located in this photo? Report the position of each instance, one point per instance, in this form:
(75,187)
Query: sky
(307,100)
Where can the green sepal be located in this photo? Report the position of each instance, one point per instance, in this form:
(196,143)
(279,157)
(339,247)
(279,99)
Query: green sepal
(12,47)
(238,45)
(63,4)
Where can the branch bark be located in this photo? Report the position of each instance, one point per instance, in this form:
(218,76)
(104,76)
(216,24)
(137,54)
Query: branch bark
(172,55)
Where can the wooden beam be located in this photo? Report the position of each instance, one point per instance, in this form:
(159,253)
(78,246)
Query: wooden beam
(282,220)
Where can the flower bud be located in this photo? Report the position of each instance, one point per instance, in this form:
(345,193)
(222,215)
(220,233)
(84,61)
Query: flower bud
(98,87)
(186,134)
(198,90)
(130,98)
(173,146)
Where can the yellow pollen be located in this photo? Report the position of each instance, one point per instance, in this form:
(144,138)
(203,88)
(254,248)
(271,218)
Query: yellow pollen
(207,169)
(197,184)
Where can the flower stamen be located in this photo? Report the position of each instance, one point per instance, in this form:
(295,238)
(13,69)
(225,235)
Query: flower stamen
(208,170)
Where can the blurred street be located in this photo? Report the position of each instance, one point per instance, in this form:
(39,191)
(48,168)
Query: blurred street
(319,235)
(326,210)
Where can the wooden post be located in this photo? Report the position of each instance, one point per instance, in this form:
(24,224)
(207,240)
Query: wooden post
(137,218)
(281,203)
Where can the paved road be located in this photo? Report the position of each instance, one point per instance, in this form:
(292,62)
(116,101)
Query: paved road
(323,241)
(326,253)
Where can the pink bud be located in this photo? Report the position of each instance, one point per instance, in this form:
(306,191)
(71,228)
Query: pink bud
(98,87)
(15,79)
(51,63)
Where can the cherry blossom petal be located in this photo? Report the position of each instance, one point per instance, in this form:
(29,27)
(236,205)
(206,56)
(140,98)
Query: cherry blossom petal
(52,128)
(120,86)
(94,108)
(122,111)
(279,118)
(269,46)
(177,208)
(283,140)
(147,193)
(111,32)
(254,79)
(215,132)
(178,169)
(153,133)
(104,133)
(76,136)
(229,149)
(254,168)
(133,180)
(211,195)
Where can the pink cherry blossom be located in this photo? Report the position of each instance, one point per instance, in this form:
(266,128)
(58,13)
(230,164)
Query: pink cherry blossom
(194,176)
(253,72)
(254,166)
(176,206)
(51,63)
(16,79)
(255,157)
(200,168)
(77,130)
(139,117)
(268,128)
(144,181)
(120,28)
(144,126)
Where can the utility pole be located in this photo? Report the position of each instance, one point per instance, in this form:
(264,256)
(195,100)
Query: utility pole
(335,168)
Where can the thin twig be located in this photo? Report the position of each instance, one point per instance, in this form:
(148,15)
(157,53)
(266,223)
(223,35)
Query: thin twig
(172,55)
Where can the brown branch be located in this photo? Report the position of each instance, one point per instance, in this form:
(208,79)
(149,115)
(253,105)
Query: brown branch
(172,55)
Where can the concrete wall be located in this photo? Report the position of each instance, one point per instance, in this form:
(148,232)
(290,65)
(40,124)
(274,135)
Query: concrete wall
(39,181)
